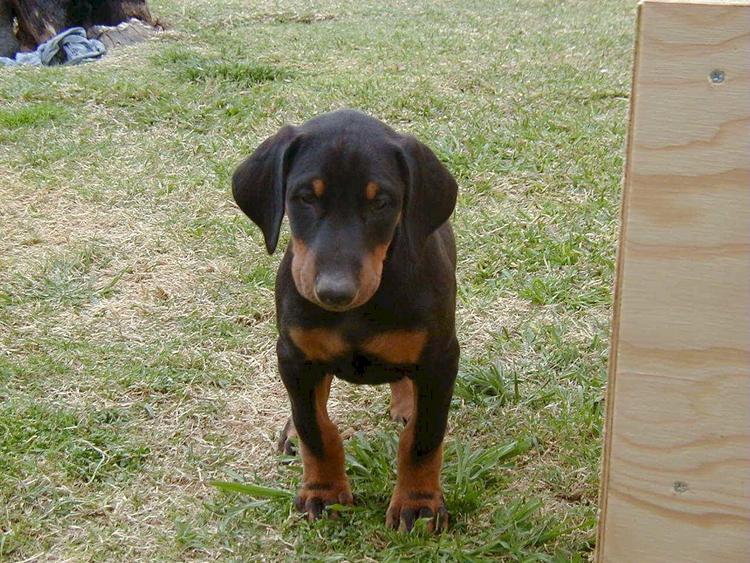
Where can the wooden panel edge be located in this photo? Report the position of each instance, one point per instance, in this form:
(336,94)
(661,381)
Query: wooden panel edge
(619,272)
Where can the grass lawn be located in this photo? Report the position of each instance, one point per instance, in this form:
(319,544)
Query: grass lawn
(136,301)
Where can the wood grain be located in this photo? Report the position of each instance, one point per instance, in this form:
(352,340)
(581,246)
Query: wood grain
(676,471)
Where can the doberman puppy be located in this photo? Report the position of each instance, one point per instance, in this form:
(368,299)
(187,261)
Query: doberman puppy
(366,292)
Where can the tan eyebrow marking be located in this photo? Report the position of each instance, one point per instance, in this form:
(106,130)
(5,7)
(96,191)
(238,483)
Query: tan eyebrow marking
(318,187)
(371,190)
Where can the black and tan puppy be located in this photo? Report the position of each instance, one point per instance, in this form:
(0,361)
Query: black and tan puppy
(366,292)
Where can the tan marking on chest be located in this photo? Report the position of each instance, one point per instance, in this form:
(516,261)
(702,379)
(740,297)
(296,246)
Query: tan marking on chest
(397,346)
(318,344)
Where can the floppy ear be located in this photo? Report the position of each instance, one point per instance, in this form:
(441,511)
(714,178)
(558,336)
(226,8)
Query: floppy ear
(259,184)
(431,192)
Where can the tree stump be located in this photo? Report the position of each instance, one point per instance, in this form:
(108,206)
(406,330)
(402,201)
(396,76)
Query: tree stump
(8,41)
(40,20)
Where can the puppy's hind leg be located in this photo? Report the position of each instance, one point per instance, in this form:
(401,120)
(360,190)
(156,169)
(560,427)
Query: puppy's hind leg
(402,400)
(287,437)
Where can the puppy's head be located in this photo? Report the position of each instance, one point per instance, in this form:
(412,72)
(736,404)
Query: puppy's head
(348,183)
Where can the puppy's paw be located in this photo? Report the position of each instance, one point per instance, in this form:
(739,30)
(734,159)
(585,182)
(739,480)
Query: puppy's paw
(402,401)
(287,442)
(409,505)
(312,498)
(401,412)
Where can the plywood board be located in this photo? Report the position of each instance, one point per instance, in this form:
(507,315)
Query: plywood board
(676,468)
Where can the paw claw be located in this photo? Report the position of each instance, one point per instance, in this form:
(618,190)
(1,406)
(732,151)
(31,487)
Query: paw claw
(441,522)
(426,513)
(403,512)
(289,448)
(408,517)
(399,418)
(314,508)
(313,501)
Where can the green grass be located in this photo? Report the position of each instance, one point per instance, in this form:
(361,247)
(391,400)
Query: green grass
(136,302)
(193,67)
(37,114)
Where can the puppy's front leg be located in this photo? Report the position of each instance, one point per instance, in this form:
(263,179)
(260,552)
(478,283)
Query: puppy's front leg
(324,480)
(418,493)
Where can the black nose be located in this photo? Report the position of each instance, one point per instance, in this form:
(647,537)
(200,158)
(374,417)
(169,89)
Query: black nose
(335,291)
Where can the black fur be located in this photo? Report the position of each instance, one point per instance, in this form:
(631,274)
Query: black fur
(417,290)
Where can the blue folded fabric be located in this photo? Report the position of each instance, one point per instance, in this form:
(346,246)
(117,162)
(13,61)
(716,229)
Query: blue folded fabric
(69,47)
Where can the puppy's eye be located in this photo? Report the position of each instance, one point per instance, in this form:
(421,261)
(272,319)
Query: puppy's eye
(380,203)
(307,197)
